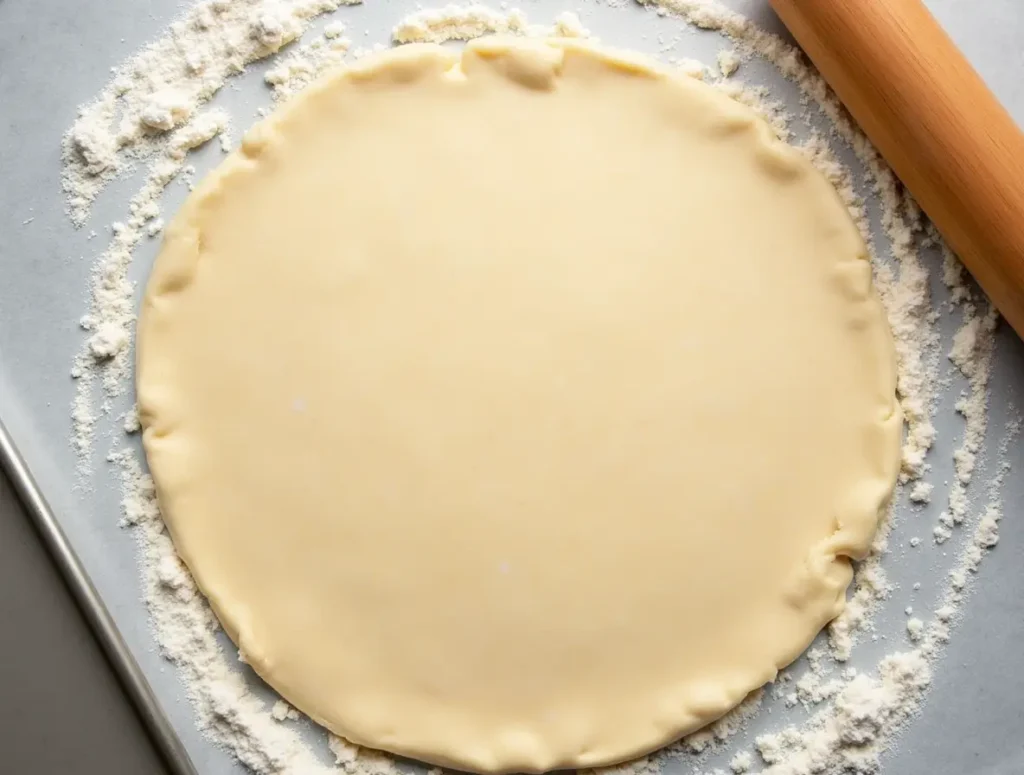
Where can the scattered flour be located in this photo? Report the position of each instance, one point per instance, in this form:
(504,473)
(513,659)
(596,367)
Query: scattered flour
(741,762)
(162,86)
(108,341)
(972,354)
(915,629)
(870,589)
(299,68)
(850,735)
(111,316)
(921,492)
(728,62)
(456,22)
(282,711)
(152,113)
(713,735)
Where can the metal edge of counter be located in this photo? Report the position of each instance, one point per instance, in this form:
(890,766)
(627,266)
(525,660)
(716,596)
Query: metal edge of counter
(128,672)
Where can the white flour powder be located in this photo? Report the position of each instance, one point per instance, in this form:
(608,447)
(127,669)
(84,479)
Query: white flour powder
(466,22)
(163,85)
(152,113)
(728,62)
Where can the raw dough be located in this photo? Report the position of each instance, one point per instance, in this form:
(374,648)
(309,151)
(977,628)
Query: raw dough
(517,409)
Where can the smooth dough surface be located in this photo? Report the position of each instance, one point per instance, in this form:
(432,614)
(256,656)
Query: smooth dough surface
(517,408)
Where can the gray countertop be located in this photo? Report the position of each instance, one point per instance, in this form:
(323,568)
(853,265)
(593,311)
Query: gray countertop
(62,710)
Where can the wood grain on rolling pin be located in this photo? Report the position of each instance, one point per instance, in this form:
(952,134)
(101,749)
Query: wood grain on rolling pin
(935,122)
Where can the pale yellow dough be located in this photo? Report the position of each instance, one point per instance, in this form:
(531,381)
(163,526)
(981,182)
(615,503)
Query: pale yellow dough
(519,408)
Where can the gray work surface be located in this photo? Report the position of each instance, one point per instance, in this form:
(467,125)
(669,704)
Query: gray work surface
(61,710)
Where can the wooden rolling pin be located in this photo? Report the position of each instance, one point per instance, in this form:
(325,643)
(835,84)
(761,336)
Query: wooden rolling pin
(936,123)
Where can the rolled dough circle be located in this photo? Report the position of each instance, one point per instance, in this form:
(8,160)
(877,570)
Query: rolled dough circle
(520,408)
